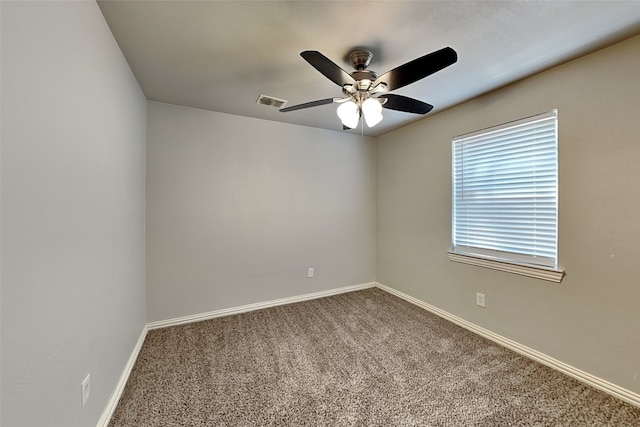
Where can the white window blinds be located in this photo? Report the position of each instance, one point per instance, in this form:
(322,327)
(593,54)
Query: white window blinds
(505,191)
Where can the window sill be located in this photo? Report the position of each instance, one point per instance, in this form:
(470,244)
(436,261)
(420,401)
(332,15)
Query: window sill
(538,272)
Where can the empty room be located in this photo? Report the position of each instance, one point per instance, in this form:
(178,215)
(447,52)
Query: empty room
(323,213)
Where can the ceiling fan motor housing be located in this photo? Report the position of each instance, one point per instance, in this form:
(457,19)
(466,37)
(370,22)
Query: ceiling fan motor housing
(361,60)
(364,79)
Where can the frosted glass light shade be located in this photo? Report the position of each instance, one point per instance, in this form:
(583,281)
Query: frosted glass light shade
(349,114)
(372,110)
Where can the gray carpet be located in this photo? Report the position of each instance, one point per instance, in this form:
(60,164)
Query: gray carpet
(365,358)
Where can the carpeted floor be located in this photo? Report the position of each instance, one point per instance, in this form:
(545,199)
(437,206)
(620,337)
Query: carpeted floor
(365,358)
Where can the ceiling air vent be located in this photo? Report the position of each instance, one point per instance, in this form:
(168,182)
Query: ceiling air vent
(271,101)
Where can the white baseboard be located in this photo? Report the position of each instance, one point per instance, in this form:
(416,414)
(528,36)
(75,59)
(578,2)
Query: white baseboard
(256,306)
(585,377)
(122,382)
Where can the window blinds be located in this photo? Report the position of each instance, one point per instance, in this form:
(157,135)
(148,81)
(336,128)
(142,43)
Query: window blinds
(505,188)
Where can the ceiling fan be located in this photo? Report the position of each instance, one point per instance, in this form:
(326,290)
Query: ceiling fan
(366,93)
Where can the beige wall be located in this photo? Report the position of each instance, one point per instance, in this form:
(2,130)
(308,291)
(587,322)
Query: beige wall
(592,319)
(73,152)
(239,208)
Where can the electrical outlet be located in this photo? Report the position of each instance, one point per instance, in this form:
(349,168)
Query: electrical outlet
(480,299)
(86,389)
(310,272)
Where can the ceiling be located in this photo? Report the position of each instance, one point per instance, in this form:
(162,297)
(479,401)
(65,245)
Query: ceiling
(221,55)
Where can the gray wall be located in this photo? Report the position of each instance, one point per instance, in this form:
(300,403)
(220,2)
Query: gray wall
(73,138)
(591,319)
(239,208)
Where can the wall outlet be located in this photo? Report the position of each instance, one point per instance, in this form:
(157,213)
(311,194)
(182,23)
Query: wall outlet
(86,389)
(310,272)
(480,299)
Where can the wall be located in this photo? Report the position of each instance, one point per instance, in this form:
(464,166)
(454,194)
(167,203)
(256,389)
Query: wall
(591,319)
(239,208)
(73,138)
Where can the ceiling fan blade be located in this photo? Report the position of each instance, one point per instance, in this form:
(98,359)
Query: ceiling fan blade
(418,69)
(308,105)
(406,104)
(329,69)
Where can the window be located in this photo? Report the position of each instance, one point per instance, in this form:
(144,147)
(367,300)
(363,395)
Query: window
(505,197)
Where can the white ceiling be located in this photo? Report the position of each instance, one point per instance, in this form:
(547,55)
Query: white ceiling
(221,55)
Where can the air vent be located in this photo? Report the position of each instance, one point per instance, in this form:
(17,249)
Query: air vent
(271,101)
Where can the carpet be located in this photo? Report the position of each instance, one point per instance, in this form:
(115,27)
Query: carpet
(364,358)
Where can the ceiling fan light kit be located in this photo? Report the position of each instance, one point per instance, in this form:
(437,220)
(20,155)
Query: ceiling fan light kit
(349,114)
(372,111)
(366,94)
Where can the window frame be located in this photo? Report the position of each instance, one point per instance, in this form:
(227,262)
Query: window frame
(512,262)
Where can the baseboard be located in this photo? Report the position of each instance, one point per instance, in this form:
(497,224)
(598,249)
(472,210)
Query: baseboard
(122,382)
(256,306)
(585,377)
